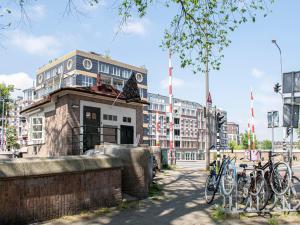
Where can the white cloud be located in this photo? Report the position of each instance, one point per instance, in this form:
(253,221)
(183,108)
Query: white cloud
(37,11)
(176,83)
(20,80)
(257,73)
(135,27)
(35,45)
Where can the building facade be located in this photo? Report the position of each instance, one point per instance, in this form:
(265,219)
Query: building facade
(80,69)
(72,120)
(233,132)
(189,126)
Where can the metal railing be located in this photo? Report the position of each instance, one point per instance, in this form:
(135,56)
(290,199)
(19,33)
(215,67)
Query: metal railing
(87,137)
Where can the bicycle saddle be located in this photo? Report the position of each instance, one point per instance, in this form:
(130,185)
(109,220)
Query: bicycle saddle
(243,165)
(213,163)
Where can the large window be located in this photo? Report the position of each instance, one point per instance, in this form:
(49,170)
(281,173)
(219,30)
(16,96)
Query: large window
(126,74)
(104,68)
(116,71)
(87,81)
(37,128)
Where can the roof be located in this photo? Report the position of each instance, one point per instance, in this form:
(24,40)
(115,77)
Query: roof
(90,55)
(104,90)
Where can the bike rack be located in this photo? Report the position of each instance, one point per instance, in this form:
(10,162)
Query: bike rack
(284,201)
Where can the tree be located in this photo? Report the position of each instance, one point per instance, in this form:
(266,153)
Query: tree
(5,96)
(232,145)
(266,144)
(199,30)
(11,138)
(244,141)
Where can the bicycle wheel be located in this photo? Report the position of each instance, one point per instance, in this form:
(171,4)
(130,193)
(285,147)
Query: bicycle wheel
(228,178)
(263,195)
(242,194)
(295,193)
(281,177)
(210,189)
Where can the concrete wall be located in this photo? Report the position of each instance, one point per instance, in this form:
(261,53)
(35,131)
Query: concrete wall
(137,167)
(41,189)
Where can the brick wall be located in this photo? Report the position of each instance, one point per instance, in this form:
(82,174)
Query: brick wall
(69,187)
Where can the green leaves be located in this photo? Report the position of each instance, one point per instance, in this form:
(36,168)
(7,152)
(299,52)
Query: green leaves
(200,31)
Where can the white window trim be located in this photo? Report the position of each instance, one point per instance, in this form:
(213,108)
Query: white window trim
(87,67)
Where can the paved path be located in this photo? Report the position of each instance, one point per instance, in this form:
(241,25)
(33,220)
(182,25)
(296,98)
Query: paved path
(182,204)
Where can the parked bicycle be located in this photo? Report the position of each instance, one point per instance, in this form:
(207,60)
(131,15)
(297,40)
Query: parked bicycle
(252,190)
(226,176)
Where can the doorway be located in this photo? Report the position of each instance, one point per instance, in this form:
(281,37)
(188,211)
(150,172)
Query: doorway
(126,134)
(91,127)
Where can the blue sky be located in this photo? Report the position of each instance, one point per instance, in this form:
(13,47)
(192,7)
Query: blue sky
(250,61)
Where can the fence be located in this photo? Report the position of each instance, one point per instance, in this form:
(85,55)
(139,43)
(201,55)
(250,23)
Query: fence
(86,137)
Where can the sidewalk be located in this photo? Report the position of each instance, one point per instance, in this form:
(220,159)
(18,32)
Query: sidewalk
(182,204)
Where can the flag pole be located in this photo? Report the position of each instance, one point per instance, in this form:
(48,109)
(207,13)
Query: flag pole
(117,98)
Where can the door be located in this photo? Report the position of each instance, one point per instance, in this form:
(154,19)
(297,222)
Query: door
(91,127)
(126,134)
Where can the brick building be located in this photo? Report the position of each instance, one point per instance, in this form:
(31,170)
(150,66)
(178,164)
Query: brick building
(233,132)
(189,128)
(71,120)
(80,69)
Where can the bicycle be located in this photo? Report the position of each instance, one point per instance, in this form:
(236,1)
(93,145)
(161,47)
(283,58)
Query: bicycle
(226,176)
(251,188)
(278,176)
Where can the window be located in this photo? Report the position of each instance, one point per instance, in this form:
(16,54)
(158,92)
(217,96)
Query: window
(126,74)
(37,128)
(87,81)
(176,120)
(87,64)
(110,117)
(104,68)
(177,132)
(116,71)
(127,119)
(60,69)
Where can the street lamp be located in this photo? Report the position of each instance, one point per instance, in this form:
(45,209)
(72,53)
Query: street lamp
(274,42)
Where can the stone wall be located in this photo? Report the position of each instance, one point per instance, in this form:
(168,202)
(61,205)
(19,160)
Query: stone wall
(40,189)
(137,167)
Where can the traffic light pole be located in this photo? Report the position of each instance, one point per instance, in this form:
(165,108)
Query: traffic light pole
(218,149)
(292,121)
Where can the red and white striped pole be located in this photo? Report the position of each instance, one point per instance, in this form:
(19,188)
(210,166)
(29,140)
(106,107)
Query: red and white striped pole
(171,155)
(252,122)
(157,128)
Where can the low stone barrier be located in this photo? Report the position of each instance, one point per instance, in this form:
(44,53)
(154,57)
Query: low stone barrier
(137,167)
(41,189)
(156,151)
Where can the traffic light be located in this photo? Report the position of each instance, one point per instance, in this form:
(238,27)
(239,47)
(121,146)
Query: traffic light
(277,88)
(288,131)
(220,120)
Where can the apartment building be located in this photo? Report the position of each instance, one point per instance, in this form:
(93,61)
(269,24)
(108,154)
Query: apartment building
(189,129)
(15,119)
(80,69)
(233,132)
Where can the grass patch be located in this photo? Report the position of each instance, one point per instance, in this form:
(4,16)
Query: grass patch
(129,205)
(273,221)
(219,213)
(155,190)
(169,167)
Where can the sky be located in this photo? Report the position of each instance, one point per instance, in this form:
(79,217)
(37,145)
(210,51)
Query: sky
(251,61)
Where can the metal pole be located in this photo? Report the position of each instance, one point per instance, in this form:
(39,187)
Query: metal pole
(207,153)
(2,125)
(272,132)
(292,120)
